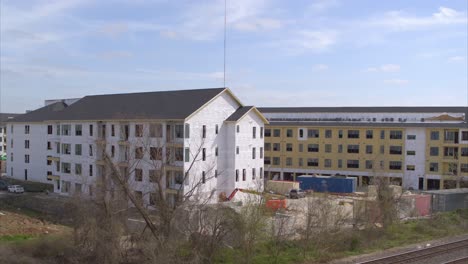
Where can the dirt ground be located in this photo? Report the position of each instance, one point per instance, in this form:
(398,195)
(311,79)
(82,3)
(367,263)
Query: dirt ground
(12,223)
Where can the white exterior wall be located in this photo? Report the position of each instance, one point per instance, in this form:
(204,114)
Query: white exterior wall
(411,178)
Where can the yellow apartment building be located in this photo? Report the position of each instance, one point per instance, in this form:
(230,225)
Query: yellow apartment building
(417,147)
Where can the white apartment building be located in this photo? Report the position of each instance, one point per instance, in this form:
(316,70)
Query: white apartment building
(4,117)
(204,140)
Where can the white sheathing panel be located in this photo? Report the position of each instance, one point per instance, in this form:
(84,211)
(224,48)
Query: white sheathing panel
(411,178)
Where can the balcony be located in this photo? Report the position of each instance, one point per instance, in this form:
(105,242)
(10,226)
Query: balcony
(51,158)
(53,177)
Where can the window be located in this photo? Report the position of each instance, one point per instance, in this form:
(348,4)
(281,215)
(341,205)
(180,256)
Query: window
(289,133)
(78,130)
(312,133)
(328,133)
(353,148)
(254,132)
(253,174)
(187,131)
(78,169)
(410,152)
(49,162)
(155,153)
(382,149)
(328,148)
(449,135)
(78,149)
(203,177)
(369,164)
(66,130)
(153,175)
(340,133)
(11,131)
(139,153)
(266,161)
(464,135)
(25,174)
(237,175)
(49,130)
(66,149)
(112,130)
(288,161)
(26,144)
(238,128)
(369,149)
(204,154)
(328,163)
(57,147)
(216,152)
(90,150)
(289,147)
(395,150)
(90,130)
(352,164)
(261,132)
(395,165)
(156,130)
(216,129)
(276,161)
(276,147)
(434,135)
(353,133)
(90,170)
(66,167)
(312,162)
(138,175)
(261,152)
(179,131)
(410,137)
(26,158)
(434,151)
(382,134)
(464,167)
(261,173)
(26,129)
(301,133)
(301,148)
(396,134)
(49,145)
(433,166)
(204,131)
(253,153)
(237,150)
(410,167)
(301,162)
(276,133)
(340,148)
(139,130)
(187,155)
(369,134)
(112,151)
(340,163)
(11,156)
(11,143)
(464,152)
(267,132)
(313,148)
(267,146)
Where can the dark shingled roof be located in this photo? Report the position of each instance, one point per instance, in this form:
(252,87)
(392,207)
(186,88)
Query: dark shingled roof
(148,105)
(366,109)
(4,117)
(240,112)
(41,114)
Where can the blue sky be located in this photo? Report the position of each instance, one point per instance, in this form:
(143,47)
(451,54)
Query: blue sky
(279,53)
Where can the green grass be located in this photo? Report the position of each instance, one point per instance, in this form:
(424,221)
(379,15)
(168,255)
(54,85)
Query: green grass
(16,238)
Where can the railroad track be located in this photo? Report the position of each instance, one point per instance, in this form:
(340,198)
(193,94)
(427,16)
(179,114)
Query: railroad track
(425,253)
(463,260)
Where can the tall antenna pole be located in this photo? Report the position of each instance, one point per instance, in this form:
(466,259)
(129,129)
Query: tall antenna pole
(225,13)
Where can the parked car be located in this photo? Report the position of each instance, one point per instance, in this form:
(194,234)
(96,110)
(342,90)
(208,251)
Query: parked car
(296,194)
(15,189)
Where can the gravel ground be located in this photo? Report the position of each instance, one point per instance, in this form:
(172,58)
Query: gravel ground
(437,260)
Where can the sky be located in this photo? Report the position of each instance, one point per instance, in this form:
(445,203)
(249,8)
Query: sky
(278,53)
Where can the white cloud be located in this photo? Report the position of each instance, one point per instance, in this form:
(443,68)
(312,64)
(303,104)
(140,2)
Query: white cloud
(384,68)
(315,41)
(456,59)
(398,20)
(396,81)
(319,6)
(115,55)
(320,67)
(259,24)
(179,75)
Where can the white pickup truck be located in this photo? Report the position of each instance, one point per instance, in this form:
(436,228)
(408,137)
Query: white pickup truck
(15,189)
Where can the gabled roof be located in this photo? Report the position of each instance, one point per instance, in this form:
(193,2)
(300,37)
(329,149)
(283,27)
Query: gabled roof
(41,114)
(242,111)
(367,109)
(5,117)
(149,105)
